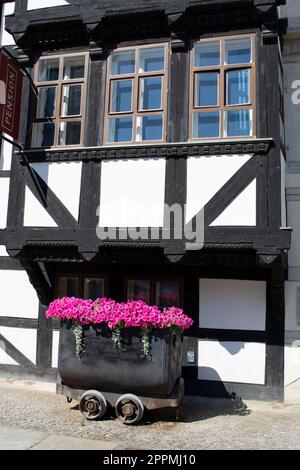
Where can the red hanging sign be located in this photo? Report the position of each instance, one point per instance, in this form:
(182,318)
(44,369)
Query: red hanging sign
(10,96)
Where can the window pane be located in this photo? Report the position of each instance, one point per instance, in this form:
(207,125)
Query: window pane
(239,122)
(48,70)
(167,293)
(121,96)
(207,54)
(122,63)
(71,100)
(206,89)
(206,125)
(151,127)
(138,290)
(238,51)
(69,133)
(43,134)
(238,87)
(68,287)
(46,102)
(73,67)
(151,93)
(93,288)
(119,130)
(152,60)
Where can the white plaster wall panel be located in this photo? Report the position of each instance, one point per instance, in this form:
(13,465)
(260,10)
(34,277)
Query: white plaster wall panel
(3,251)
(232,304)
(64,180)
(55,346)
(292,121)
(292,180)
(4,357)
(242,210)
(7,38)
(293,216)
(132,193)
(4,191)
(205,177)
(292,322)
(6,155)
(34,213)
(18,297)
(36,4)
(229,361)
(23,339)
(292,365)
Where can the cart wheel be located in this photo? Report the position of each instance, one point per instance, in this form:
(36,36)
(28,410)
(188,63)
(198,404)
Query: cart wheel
(129,409)
(92,405)
(179,413)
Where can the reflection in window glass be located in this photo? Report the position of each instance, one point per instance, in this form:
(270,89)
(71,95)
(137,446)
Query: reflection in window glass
(167,293)
(138,289)
(207,89)
(150,93)
(46,102)
(239,122)
(68,287)
(48,70)
(206,125)
(238,51)
(121,96)
(152,59)
(43,134)
(122,62)
(71,100)
(73,67)
(93,288)
(238,87)
(69,133)
(152,127)
(207,54)
(119,130)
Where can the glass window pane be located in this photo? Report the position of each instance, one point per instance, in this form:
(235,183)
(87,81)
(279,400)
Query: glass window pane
(68,287)
(122,62)
(73,67)
(93,288)
(239,122)
(238,51)
(151,93)
(138,290)
(69,133)
(206,89)
(71,100)
(150,128)
(207,54)
(121,96)
(48,70)
(119,130)
(43,134)
(152,60)
(206,125)
(167,293)
(238,87)
(46,102)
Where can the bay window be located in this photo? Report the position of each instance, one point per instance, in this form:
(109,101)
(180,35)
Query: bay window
(61,84)
(222,89)
(136,95)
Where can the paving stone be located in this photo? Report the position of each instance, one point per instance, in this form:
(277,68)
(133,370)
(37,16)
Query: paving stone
(19,439)
(56,442)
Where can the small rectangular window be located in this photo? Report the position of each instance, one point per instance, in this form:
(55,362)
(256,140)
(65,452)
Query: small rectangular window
(136,95)
(68,287)
(61,83)
(93,288)
(138,289)
(223,88)
(168,293)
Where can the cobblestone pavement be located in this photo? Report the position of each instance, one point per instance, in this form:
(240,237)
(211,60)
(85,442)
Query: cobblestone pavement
(261,426)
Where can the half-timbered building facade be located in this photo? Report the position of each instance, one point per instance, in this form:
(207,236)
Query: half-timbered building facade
(153,168)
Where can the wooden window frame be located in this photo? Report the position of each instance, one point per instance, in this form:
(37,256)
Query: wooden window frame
(59,84)
(136,77)
(153,280)
(81,279)
(222,70)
